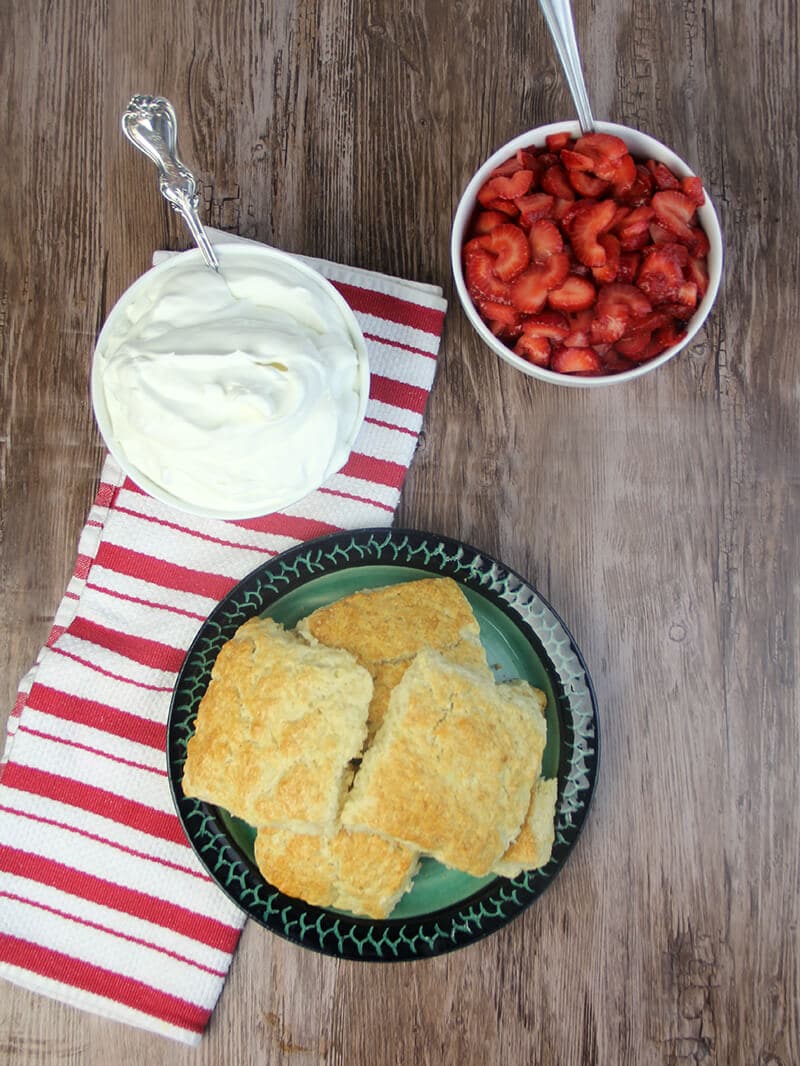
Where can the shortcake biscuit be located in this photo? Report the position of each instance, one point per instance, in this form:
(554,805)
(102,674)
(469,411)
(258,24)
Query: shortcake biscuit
(277,728)
(534,844)
(385,628)
(357,872)
(451,769)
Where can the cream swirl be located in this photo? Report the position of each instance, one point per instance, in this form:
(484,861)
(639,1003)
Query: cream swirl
(233,392)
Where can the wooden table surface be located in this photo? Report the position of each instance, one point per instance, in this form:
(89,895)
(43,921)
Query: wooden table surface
(660,517)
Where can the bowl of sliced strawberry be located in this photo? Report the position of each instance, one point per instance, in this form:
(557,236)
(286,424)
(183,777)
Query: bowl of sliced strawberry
(586,259)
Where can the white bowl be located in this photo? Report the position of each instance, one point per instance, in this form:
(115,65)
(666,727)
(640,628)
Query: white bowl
(640,145)
(253,257)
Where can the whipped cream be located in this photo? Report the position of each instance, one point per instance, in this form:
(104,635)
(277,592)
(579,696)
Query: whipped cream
(238,392)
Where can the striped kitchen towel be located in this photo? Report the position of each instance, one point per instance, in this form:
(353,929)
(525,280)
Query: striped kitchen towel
(103,904)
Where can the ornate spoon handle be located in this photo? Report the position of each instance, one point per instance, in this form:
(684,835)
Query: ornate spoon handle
(558,14)
(150,124)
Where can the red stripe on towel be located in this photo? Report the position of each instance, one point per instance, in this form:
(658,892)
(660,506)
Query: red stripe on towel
(96,800)
(101,982)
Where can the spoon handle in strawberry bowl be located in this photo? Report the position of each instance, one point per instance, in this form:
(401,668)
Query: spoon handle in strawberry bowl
(558,14)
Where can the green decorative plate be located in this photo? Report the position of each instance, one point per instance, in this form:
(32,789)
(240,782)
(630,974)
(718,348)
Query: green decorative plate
(523,637)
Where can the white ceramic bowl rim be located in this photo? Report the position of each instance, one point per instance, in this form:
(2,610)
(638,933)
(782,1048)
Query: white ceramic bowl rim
(235,250)
(641,145)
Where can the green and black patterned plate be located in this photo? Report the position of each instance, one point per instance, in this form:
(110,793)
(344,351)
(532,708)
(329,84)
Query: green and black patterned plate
(523,637)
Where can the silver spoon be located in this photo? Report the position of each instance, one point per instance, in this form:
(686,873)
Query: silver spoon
(558,14)
(150,124)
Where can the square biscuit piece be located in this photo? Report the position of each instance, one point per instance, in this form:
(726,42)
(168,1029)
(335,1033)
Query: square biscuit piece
(385,628)
(357,872)
(277,728)
(534,844)
(450,771)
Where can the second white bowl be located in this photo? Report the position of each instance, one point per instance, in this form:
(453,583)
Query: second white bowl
(641,146)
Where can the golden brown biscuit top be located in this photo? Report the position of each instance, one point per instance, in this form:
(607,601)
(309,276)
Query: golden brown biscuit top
(397,621)
(385,628)
(534,844)
(357,872)
(451,769)
(277,728)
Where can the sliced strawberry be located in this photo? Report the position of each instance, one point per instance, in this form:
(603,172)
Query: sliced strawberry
(651,351)
(522,160)
(575,361)
(608,324)
(623,211)
(687,294)
(556,141)
(585,228)
(510,244)
(624,176)
(575,294)
(536,205)
(549,324)
(659,234)
(585,184)
(534,349)
(674,310)
(545,240)
(617,306)
(608,271)
(580,325)
(555,269)
(693,188)
(628,266)
(635,345)
(547,159)
(508,208)
(634,301)
(528,160)
(697,271)
(576,160)
(700,246)
(554,181)
(666,336)
(482,282)
(475,246)
(675,211)
(502,331)
(485,221)
(487,193)
(529,292)
(574,206)
(663,178)
(605,150)
(648,323)
(679,252)
(660,275)
(633,231)
(576,266)
(505,170)
(641,189)
(506,318)
(615,363)
(562,208)
(505,188)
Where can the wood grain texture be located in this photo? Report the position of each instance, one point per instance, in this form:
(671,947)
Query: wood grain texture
(661,519)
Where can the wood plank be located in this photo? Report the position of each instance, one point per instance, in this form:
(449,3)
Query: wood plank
(660,518)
